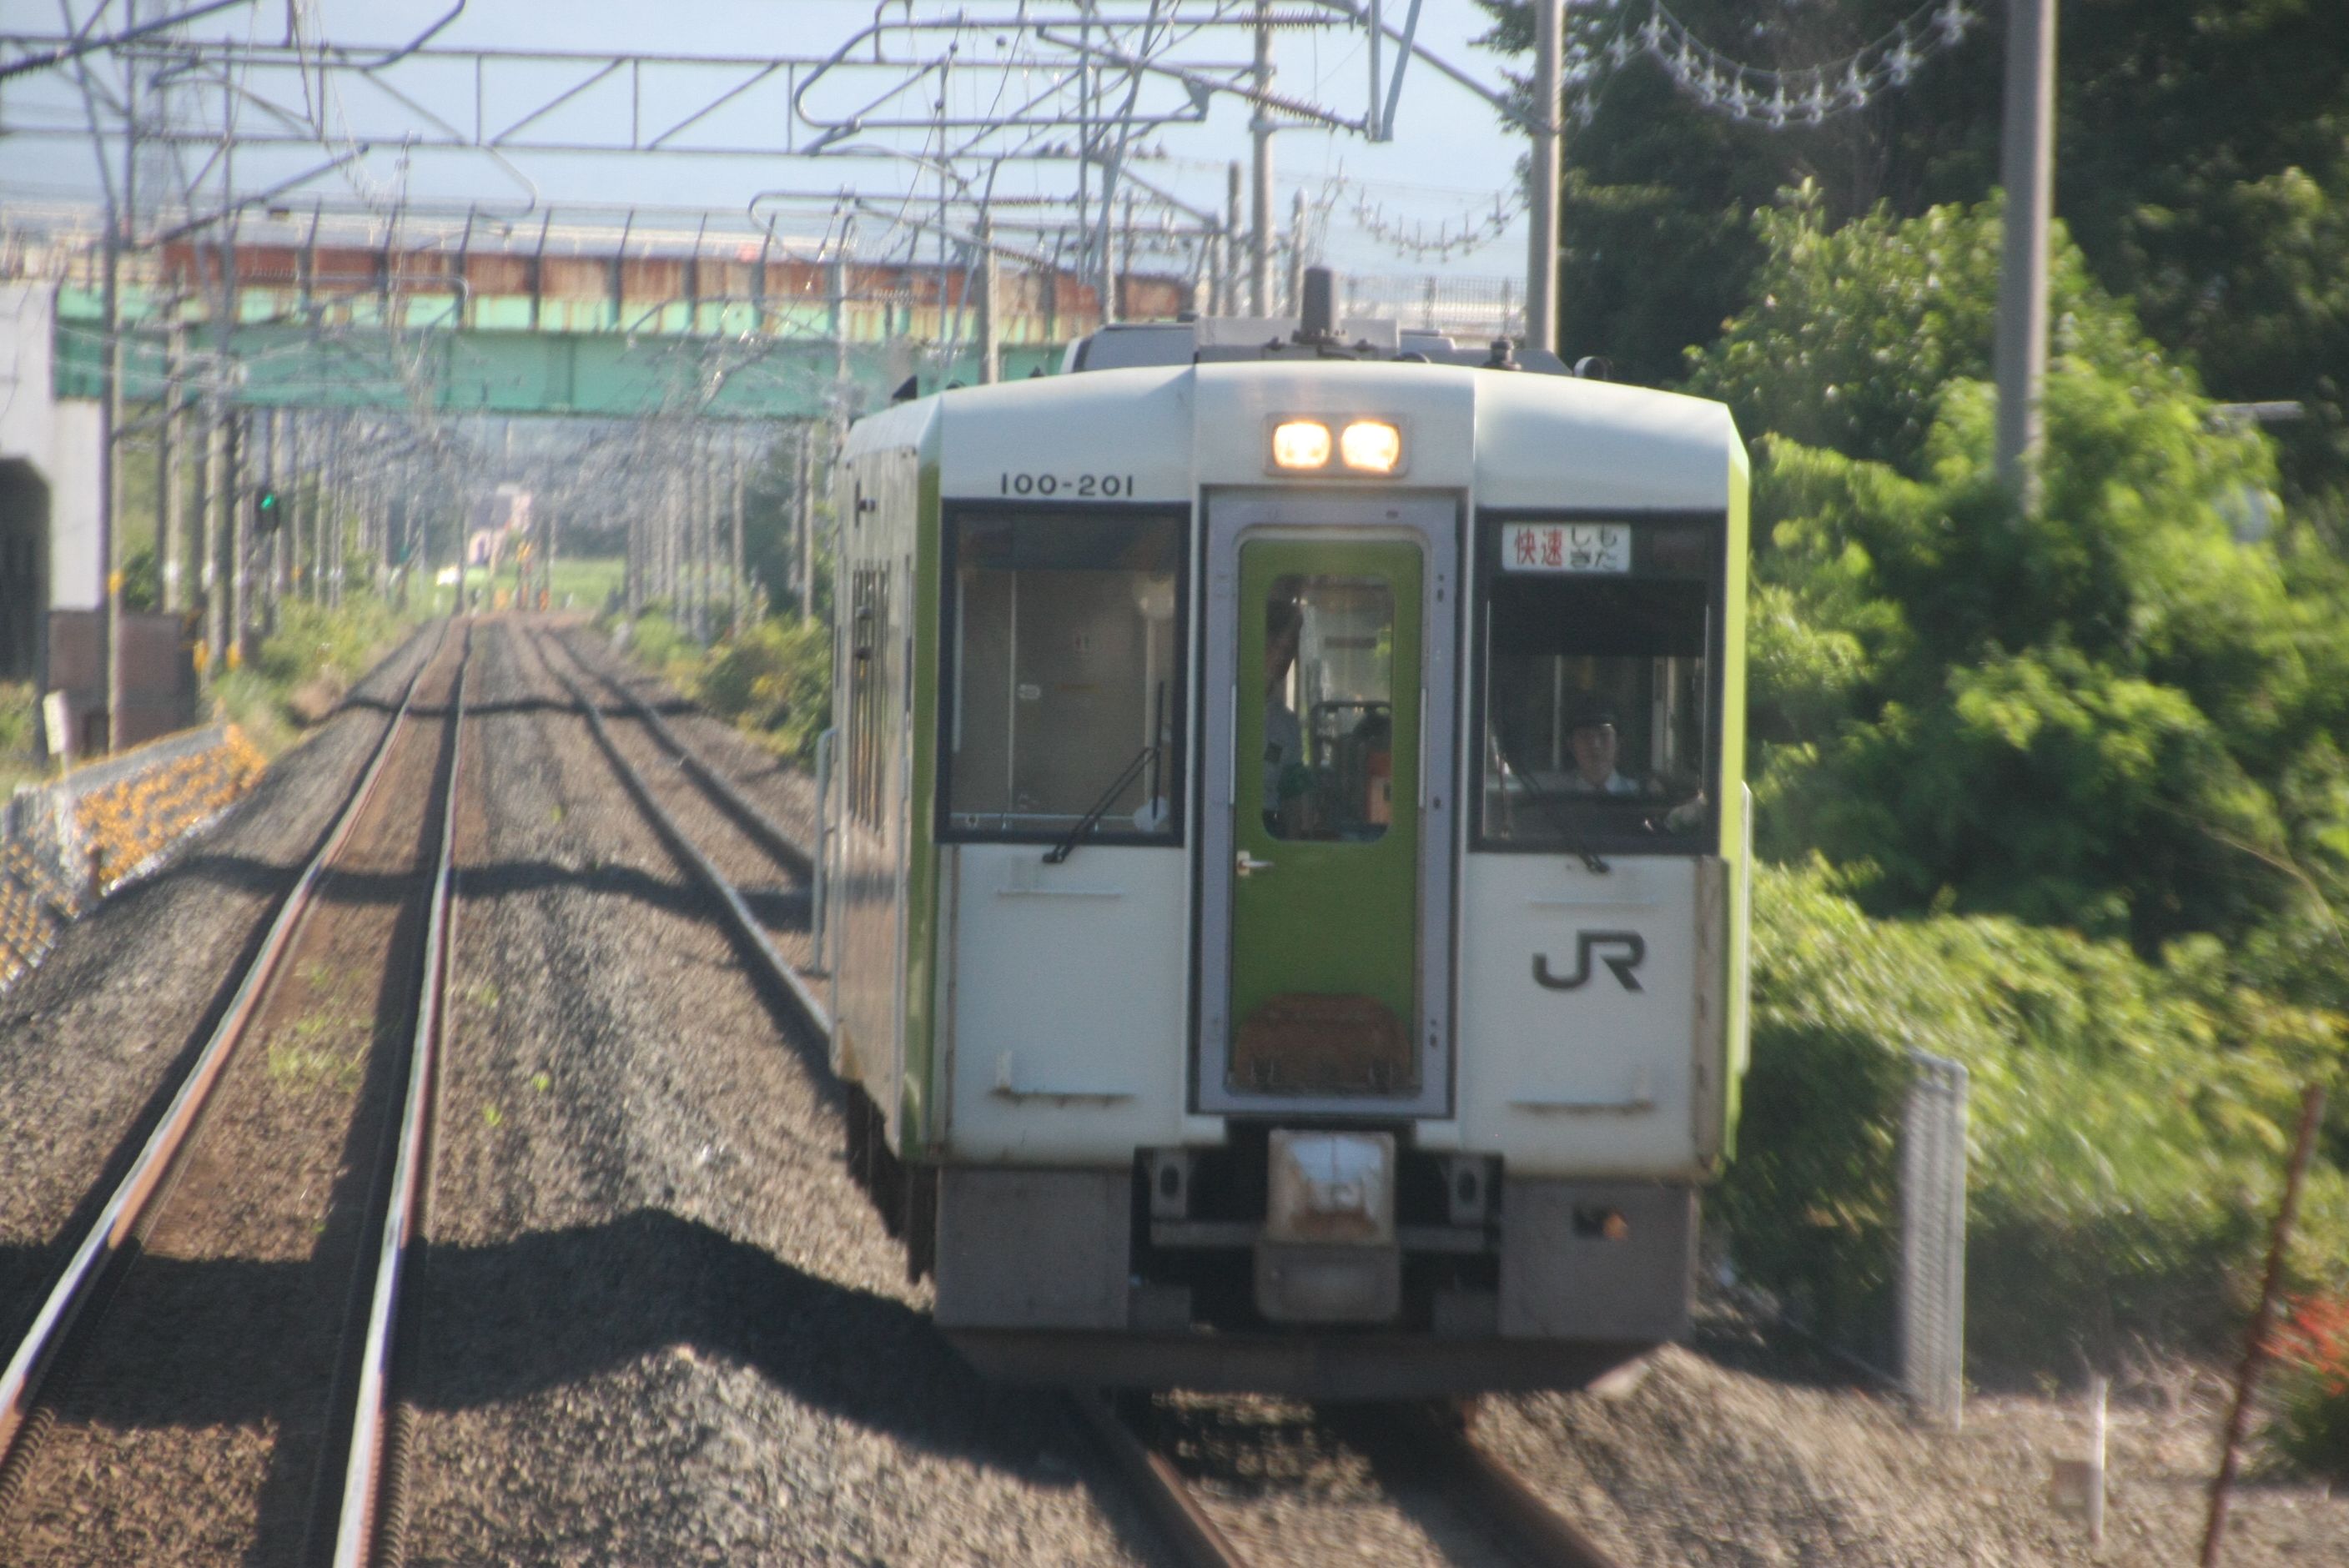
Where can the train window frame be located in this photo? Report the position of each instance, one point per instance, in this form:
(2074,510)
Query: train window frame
(1172,768)
(1648,563)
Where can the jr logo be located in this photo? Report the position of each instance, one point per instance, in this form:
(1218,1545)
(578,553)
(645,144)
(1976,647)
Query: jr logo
(1586,942)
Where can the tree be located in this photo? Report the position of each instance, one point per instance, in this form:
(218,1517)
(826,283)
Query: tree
(2114,714)
(2202,167)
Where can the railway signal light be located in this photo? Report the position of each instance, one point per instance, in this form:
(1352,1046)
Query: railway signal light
(265,510)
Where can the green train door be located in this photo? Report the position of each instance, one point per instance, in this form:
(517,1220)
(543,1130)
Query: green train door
(1326,1004)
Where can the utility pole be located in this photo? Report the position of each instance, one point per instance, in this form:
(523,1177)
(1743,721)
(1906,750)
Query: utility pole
(240,541)
(170,496)
(741,598)
(2027,169)
(1549,169)
(990,333)
(1296,305)
(215,529)
(1230,303)
(1260,139)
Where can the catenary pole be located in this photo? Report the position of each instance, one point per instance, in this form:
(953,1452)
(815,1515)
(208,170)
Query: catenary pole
(1549,169)
(2027,169)
(1261,148)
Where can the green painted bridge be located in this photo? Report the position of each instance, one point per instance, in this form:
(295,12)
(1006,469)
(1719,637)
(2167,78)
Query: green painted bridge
(602,337)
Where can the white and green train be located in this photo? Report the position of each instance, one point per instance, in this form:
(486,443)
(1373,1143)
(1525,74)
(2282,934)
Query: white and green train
(1287,864)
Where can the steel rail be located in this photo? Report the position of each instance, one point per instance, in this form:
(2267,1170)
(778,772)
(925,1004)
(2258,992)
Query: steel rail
(1535,1532)
(19,1385)
(1159,1487)
(772,836)
(357,1535)
(746,924)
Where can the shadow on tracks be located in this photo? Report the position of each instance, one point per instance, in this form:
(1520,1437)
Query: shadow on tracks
(554,1308)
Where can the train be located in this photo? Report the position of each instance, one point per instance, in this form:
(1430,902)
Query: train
(1285,862)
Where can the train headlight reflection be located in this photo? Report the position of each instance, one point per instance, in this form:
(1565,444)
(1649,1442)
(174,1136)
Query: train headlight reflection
(1301,444)
(1372,445)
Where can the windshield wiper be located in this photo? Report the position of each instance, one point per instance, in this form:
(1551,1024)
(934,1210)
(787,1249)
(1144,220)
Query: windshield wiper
(1127,775)
(1562,814)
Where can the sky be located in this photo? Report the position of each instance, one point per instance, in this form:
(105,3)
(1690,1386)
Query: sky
(1449,170)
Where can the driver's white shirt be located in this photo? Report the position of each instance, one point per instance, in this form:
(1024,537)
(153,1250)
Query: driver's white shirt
(1615,784)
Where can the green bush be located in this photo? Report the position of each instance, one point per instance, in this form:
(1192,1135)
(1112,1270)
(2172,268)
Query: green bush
(658,643)
(19,716)
(2129,1121)
(775,680)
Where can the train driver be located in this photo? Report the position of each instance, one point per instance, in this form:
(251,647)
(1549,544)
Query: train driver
(1592,735)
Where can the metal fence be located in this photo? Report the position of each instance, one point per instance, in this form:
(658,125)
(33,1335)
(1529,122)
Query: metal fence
(1931,1290)
(1465,306)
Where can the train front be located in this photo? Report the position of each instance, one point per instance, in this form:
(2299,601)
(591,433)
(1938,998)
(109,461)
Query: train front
(1341,896)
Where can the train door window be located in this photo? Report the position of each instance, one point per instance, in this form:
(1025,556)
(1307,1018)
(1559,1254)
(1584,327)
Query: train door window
(1065,674)
(1597,680)
(1328,707)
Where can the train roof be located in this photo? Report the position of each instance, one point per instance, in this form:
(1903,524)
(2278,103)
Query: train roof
(1162,430)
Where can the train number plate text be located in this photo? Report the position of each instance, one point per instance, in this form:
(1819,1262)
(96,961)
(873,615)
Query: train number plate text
(1079,486)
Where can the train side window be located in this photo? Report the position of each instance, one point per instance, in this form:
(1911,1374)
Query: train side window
(1065,676)
(1597,710)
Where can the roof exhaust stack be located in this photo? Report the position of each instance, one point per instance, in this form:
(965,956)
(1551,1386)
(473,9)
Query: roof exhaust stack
(1318,307)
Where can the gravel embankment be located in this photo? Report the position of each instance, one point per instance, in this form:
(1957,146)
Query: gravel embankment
(92,1043)
(662,1325)
(1738,1453)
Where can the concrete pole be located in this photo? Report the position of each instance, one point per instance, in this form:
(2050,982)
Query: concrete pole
(239,544)
(742,588)
(215,531)
(2027,169)
(300,563)
(1260,138)
(803,497)
(273,563)
(1295,281)
(990,324)
(705,601)
(1543,179)
(110,421)
(171,497)
(1232,231)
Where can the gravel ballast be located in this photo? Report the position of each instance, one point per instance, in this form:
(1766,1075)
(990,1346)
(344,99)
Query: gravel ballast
(94,1041)
(657,1323)
(661,1324)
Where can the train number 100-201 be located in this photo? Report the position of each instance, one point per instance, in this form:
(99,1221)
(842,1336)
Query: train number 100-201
(1084,487)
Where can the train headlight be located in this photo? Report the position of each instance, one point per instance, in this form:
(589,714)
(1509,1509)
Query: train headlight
(1372,446)
(1301,444)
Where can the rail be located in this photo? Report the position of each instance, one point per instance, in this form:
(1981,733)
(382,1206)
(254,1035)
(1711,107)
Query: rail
(738,911)
(153,1170)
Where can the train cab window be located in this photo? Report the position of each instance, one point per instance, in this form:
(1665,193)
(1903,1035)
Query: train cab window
(1065,677)
(1597,696)
(1328,707)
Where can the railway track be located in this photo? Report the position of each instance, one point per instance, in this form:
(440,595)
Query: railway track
(652,776)
(1413,1449)
(210,1379)
(1423,1458)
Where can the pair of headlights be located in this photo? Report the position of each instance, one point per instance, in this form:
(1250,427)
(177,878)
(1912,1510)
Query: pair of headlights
(1365,446)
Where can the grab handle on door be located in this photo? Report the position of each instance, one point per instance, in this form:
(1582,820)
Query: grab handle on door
(1244,863)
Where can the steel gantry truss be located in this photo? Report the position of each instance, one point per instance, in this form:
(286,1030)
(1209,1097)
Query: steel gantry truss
(935,99)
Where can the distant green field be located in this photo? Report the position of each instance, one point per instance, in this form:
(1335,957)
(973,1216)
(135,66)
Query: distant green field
(586,581)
